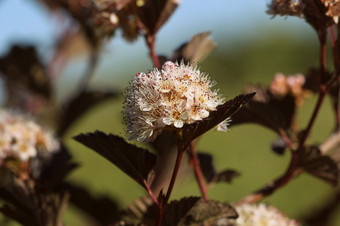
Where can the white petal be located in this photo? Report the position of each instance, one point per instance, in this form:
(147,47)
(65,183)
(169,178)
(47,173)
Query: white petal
(178,124)
(167,120)
(196,117)
(204,113)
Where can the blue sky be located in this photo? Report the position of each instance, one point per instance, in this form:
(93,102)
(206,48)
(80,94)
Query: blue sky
(27,20)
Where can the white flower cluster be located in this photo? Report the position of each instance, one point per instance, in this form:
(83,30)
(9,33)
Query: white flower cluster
(261,214)
(22,138)
(177,94)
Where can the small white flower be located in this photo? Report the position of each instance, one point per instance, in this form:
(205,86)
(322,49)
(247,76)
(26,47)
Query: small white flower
(176,95)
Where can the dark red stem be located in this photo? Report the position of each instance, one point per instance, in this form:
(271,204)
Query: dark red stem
(164,203)
(153,197)
(336,60)
(293,168)
(197,169)
(150,40)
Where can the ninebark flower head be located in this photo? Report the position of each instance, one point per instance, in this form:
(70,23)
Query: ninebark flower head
(262,214)
(22,138)
(171,97)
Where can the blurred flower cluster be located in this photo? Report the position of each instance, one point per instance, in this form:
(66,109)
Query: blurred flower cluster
(286,7)
(292,84)
(22,138)
(261,214)
(177,94)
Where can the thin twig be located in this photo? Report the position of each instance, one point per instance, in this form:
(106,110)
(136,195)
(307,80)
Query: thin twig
(150,40)
(293,168)
(163,204)
(197,169)
(336,61)
(153,197)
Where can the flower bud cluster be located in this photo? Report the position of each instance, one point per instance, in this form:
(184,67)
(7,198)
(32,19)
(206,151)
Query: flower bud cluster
(22,138)
(333,9)
(263,215)
(177,94)
(286,7)
(293,85)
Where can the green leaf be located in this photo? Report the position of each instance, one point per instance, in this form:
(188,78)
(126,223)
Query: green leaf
(135,162)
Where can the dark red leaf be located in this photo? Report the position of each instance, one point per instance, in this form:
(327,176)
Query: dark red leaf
(319,165)
(79,105)
(135,162)
(208,213)
(154,13)
(22,70)
(192,131)
(196,50)
(103,210)
(54,170)
(209,171)
(267,110)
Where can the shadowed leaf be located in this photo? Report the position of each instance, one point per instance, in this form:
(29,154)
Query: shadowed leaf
(136,212)
(79,105)
(21,217)
(196,50)
(55,169)
(209,171)
(22,69)
(192,131)
(320,165)
(154,13)
(208,213)
(135,162)
(30,203)
(267,110)
(178,209)
(103,210)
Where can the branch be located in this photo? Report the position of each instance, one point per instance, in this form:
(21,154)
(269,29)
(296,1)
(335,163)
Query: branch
(293,169)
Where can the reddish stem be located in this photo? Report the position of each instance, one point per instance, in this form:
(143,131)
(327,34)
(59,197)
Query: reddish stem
(197,169)
(164,203)
(153,197)
(150,40)
(293,168)
(322,40)
(336,61)
(286,138)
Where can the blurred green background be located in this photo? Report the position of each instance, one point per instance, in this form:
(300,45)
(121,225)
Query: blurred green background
(247,52)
